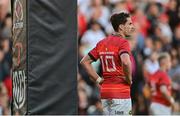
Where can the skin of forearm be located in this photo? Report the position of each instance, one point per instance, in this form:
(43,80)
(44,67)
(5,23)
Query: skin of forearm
(89,69)
(166,95)
(127,72)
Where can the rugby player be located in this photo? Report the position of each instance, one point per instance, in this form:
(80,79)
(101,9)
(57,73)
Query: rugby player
(115,57)
(160,83)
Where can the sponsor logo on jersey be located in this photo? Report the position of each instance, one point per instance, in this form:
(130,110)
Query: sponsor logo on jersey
(119,112)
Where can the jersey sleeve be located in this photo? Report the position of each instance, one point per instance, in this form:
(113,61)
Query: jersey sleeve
(124,48)
(93,54)
(163,80)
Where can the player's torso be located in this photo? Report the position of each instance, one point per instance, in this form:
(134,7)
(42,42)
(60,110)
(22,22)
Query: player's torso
(155,86)
(114,85)
(109,57)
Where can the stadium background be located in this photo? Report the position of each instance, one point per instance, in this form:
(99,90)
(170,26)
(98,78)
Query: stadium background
(157,25)
(158,29)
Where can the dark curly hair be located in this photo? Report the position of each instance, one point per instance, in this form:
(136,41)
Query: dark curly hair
(119,18)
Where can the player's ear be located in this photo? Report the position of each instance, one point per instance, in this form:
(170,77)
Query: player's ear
(121,27)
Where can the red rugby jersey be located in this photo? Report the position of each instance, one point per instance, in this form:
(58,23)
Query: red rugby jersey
(156,80)
(108,51)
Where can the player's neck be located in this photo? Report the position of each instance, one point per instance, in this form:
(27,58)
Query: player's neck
(163,69)
(119,34)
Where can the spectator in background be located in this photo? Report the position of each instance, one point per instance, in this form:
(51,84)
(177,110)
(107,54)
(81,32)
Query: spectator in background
(82,23)
(165,28)
(84,6)
(93,35)
(148,48)
(157,33)
(6,62)
(1,55)
(4,5)
(5,65)
(120,6)
(175,76)
(83,99)
(157,46)
(5,46)
(90,38)
(152,15)
(139,16)
(175,71)
(4,101)
(176,38)
(99,12)
(1,50)
(8,22)
(151,65)
(172,13)
(1,59)
(89,102)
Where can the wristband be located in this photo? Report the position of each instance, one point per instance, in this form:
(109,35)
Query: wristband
(99,79)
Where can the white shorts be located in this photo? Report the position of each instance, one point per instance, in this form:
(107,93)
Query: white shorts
(117,106)
(159,109)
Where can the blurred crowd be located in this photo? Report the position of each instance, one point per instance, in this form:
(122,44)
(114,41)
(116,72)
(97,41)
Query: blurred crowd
(5,57)
(157,25)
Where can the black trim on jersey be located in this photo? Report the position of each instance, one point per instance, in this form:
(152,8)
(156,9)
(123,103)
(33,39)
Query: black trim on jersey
(124,52)
(91,56)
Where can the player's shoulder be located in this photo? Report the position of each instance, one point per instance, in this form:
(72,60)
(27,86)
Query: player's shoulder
(156,75)
(122,41)
(113,40)
(125,41)
(162,73)
(117,40)
(102,41)
(107,40)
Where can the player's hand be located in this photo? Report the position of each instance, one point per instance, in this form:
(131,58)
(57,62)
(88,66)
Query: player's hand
(129,80)
(102,80)
(100,83)
(175,107)
(99,80)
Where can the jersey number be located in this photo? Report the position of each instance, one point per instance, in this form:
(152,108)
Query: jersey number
(108,63)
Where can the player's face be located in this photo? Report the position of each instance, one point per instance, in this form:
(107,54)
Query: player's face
(128,27)
(168,63)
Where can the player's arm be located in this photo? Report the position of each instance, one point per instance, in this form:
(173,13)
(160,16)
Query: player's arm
(166,94)
(86,63)
(126,64)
